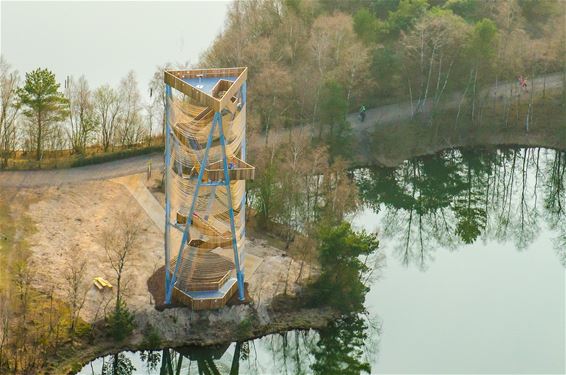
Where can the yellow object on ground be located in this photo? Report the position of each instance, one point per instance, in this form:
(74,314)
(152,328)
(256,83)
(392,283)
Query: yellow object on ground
(100,283)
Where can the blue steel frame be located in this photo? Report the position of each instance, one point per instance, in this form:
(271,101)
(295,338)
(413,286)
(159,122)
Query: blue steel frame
(243,93)
(168,97)
(217,121)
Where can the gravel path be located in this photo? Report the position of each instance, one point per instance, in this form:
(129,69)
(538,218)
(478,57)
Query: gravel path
(103,171)
(379,115)
(402,111)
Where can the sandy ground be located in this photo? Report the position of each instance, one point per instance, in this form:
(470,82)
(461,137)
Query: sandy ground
(70,223)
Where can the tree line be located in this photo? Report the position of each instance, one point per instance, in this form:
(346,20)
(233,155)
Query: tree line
(38,117)
(313,61)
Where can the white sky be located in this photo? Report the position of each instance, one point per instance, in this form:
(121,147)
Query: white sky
(104,40)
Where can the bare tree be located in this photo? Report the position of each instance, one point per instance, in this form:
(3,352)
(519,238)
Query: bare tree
(151,108)
(130,129)
(76,289)
(8,111)
(157,94)
(107,109)
(22,278)
(82,125)
(121,241)
(4,324)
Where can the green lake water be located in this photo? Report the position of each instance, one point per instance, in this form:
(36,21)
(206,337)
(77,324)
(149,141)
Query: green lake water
(469,278)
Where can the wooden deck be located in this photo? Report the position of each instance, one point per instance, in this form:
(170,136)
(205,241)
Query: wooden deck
(206,300)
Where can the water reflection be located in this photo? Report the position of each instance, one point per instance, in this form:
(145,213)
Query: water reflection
(448,200)
(344,347)
(458,197)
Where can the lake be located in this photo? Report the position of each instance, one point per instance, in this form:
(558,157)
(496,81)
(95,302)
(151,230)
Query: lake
(472,279)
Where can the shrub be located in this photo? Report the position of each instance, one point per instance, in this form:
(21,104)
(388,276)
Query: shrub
(340,284)
(151,337)
(121,322)
(103,158)
(244,328)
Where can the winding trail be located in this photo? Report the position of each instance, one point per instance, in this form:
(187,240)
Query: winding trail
(375,117)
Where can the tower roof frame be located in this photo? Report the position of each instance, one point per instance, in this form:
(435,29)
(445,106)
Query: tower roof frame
(176,79)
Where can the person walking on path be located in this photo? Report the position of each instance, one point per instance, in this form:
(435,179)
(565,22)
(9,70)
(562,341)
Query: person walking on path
(362,113)
(523,83)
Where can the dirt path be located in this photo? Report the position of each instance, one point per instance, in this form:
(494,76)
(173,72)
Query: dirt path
(103,171)
(379,115)
(403,111)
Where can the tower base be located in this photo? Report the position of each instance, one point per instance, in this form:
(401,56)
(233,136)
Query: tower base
(209,299)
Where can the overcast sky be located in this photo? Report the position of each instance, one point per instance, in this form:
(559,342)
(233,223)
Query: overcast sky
(104,40)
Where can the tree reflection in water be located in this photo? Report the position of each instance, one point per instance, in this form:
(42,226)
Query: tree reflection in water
(344,347)
(118,364)
(459,196)
(454,198)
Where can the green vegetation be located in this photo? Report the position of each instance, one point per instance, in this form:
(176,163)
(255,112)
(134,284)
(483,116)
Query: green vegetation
(343,252)
(340,348)
(298,186)
(121,321)
(311,63)
(244,328)
(42,127)
(151,338)
(43,105)
(116,155)
(333,56)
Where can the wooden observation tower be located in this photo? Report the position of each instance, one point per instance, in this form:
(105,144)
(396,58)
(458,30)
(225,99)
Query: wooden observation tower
(205,186)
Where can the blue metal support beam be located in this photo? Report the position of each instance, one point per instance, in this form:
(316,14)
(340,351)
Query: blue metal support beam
(168,98)
(243,154)
(239,273)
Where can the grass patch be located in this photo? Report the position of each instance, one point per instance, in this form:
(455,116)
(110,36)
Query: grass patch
(63,159)
(244,328)
(7,235)
(38,329)
(111,156)
(499,125)
(14,229)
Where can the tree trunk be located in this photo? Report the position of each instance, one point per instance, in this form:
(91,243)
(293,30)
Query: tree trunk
(474,94)
(39,137)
